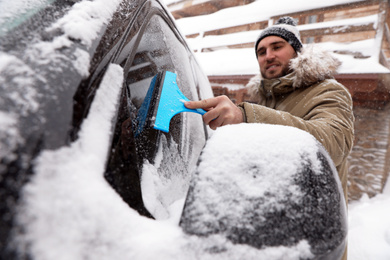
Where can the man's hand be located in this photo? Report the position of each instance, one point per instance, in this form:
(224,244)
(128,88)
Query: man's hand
(220,111)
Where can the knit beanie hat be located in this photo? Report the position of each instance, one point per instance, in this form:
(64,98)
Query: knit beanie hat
(285,28)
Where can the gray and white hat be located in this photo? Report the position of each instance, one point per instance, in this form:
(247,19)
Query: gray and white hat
(285,28)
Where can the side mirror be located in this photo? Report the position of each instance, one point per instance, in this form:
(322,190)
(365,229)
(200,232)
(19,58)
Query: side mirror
(267,186)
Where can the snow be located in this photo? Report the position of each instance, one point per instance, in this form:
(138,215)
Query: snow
(20,71)
(16,12)
(86,18)
(9,135)
(82,23)
(219,62)
(21,94)
(257,11)
(369,228)
(243,61)
(70,212)
(249,36)
(282,179)
(163,191)
(254,186)
(225,61)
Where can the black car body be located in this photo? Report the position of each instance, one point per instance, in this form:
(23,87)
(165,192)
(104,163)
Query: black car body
(49,77)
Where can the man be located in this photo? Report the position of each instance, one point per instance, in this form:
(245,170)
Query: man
(295,88)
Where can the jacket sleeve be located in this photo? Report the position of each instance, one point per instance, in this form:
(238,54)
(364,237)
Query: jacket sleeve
(325,111)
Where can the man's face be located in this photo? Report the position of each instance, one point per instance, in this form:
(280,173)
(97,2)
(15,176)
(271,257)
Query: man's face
(274,55)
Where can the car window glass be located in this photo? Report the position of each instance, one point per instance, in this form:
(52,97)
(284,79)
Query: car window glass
(203,85)
(162,162)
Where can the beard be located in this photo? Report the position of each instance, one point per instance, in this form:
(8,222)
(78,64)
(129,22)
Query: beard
(283,71)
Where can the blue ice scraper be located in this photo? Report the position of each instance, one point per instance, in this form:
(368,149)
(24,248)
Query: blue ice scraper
(163,101)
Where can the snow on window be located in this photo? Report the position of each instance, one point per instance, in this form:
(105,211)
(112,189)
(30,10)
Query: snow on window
(16,12)
(17,78)
(9,136)
(86,19)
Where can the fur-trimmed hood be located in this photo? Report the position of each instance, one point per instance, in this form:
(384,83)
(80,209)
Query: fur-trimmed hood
(312,65)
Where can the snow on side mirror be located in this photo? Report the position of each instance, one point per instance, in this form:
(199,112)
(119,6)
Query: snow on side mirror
(267,187)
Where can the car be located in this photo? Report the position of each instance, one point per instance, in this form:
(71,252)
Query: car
(60,62)
(81,176)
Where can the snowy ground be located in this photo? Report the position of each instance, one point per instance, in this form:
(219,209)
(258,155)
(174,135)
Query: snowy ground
(369,227)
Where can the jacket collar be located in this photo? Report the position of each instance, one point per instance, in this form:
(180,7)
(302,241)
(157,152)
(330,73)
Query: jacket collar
(278,86)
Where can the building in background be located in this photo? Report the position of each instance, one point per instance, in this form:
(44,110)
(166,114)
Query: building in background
(222,33)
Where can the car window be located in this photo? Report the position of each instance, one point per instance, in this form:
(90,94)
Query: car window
(152,170)
(203,85)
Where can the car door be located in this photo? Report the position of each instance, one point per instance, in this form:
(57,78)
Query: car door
(151,171)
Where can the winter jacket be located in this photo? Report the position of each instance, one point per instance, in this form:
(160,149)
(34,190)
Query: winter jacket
(309,99)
